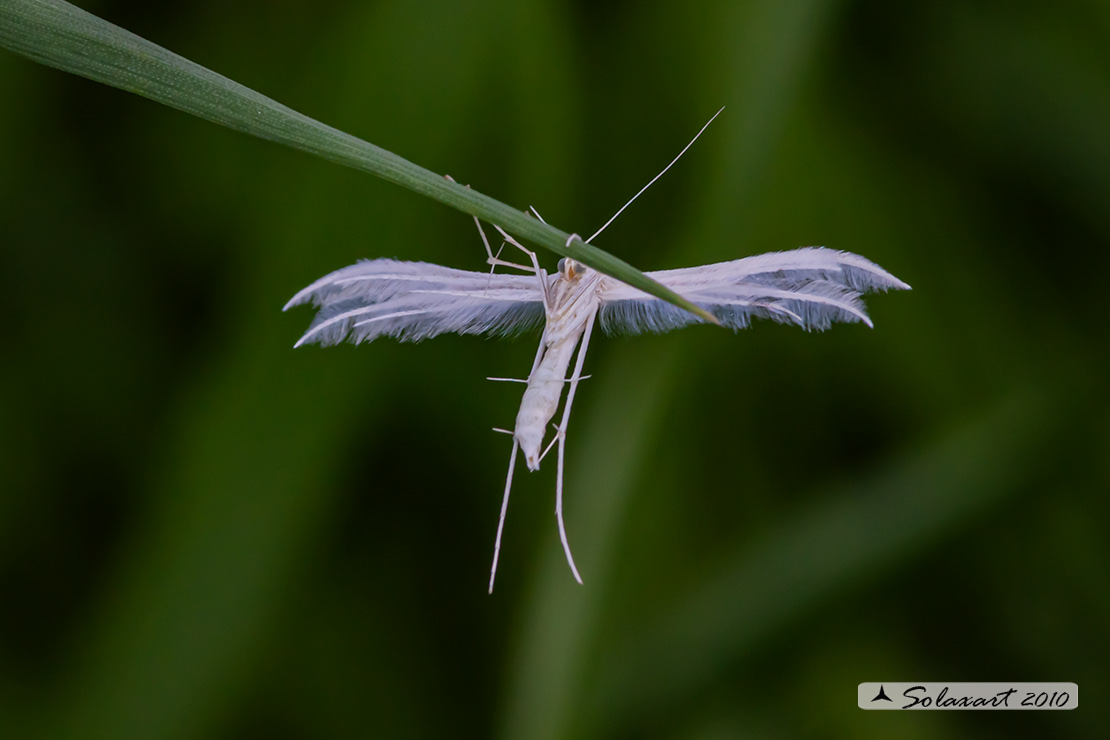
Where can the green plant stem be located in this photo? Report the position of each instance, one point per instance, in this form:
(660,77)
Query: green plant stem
(58,34)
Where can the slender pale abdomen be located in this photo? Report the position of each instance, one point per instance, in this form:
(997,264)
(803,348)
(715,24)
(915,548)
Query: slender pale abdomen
(541,398)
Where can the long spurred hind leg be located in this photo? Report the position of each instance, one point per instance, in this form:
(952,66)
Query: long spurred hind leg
(562,437)
(509,477)
(504,511)
(509,483)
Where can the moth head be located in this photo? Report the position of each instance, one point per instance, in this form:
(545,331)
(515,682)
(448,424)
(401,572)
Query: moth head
(571,269)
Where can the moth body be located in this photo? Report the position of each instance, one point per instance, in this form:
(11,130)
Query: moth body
(541,397)
(573,300)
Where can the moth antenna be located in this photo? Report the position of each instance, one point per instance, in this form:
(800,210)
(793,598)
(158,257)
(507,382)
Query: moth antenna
(536,213)
(645,187)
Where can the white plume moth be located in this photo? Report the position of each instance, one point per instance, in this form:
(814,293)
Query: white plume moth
(810,287)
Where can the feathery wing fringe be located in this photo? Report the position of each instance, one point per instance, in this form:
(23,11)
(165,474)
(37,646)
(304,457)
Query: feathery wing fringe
(416,300)
(811,287)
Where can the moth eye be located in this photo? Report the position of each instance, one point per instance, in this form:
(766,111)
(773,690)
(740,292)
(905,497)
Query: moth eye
(571,269)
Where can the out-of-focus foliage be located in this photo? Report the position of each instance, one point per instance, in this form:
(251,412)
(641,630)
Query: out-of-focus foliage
(204,533)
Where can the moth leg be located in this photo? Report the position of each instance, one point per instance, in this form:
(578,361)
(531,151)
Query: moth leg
(492,259)
(510,240)
(539,272)
(539,355)
(509,477)
(561,435)
(504,511)
(496,258)
(549,445)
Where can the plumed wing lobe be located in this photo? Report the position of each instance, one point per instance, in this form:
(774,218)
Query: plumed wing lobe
(416,300)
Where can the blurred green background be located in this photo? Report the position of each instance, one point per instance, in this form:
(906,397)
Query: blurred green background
(206,534)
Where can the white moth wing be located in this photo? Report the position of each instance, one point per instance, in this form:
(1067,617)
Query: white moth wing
(810,287)
(417,300)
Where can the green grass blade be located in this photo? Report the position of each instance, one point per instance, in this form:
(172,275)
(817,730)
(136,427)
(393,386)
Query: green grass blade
(60,35)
